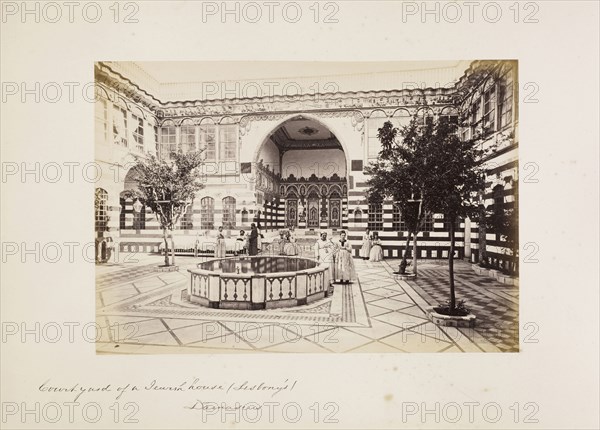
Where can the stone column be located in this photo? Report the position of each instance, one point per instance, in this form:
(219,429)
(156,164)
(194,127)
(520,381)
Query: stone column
(324,220)
(301,209)
(467,239)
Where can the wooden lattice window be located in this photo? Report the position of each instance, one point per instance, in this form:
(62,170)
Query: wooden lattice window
(229,213)
(207,213)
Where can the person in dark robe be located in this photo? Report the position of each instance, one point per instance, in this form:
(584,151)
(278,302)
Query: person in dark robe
(253,240)
(260,236)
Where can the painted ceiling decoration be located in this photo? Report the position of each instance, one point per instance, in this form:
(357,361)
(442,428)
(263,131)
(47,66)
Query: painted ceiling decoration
(289,136)
(308,131)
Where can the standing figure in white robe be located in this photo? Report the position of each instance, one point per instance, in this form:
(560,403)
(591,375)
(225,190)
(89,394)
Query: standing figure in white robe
(220,248)
(324,252)
(344,266)
(366,245)
(376,253)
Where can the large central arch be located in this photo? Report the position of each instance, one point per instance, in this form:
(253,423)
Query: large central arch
(301,175)
(322,121)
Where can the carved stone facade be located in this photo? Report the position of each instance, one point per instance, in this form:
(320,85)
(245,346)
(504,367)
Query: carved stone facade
(235,131)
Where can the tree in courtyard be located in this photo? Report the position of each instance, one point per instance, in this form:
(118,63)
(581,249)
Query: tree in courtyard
(398,174)
(440,171)
(430,165)
(167,188)
(452,183)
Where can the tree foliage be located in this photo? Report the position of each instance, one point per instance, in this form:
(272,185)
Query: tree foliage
(398,173)
(455,174)
(430,163)
(167,188)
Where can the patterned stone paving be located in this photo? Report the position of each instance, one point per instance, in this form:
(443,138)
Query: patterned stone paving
(122,275)
(495,304)
(142,311)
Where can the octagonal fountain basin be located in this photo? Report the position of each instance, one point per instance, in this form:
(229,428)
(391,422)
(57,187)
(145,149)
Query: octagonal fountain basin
(261,282)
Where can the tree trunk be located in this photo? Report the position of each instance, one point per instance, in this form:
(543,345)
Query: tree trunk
(451,268)
(403,263)
(515,253)
(172,249)
(171,231)
(414,256)
(166,247)
(415,234)
(482,240)
(406,247)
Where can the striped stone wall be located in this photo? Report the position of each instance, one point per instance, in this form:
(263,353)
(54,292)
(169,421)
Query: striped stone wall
(353,127)
(504,173)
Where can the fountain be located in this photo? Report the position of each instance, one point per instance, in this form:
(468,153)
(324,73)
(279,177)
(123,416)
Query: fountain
(259,282)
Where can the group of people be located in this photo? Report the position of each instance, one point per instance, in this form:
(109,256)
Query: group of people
(286,244)
(244,243)
(371,247)
(338,255)
(250,243)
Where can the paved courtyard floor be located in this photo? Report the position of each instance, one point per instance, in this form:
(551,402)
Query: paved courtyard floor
(147,312)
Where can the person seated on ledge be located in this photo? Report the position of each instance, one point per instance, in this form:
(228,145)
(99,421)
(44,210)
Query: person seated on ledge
(279,244)
(241,243)
(291,247)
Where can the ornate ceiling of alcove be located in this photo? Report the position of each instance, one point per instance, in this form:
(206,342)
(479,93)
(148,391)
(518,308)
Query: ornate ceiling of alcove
(303,133)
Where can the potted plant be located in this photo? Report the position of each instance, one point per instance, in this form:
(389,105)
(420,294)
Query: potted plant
(449,316)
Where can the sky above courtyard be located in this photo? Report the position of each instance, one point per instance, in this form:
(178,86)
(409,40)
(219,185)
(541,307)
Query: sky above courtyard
(173,81)
(184,71)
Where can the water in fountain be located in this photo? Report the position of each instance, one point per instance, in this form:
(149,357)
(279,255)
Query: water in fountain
(260,264)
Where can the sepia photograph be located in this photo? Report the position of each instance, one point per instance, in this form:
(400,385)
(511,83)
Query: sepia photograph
(370,209)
